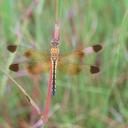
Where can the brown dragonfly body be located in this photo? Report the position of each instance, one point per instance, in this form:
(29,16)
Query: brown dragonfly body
(54,55)
(54,59)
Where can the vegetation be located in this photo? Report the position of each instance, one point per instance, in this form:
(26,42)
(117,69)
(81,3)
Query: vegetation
(83,100)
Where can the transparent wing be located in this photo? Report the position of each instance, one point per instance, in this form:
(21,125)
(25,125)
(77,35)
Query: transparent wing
(75,69)
(35,61)
(72,64)
(79,54)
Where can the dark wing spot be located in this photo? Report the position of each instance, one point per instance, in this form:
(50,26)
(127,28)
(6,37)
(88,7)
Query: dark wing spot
(80,53)
(28,53)
(94,69)
(97,47)
(12,48)
(14,67)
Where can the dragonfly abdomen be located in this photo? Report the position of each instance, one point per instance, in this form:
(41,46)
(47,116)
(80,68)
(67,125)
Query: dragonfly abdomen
(54,64)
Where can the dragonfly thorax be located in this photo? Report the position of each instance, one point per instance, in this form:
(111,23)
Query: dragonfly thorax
(54,53)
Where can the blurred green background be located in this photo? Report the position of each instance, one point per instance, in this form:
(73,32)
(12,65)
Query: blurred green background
(82,101)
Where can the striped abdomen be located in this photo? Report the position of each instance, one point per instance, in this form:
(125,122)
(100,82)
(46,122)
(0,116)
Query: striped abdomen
(54,64)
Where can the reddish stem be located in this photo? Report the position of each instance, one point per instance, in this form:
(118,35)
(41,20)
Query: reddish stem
(48,99)
(56,34)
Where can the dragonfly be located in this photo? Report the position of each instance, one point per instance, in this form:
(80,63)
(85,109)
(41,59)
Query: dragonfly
(37,62)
